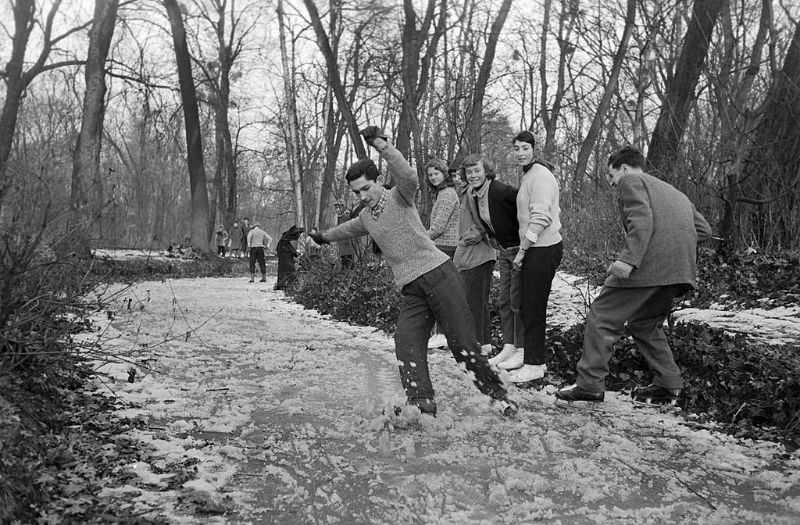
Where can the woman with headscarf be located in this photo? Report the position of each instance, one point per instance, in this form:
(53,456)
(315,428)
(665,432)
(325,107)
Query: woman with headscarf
(286,250)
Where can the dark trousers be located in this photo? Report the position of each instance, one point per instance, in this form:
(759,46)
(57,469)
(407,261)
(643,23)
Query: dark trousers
(438,296)
(644,309)
(257,255)
(510,300)
(477,283)
(221,251)
(538,269)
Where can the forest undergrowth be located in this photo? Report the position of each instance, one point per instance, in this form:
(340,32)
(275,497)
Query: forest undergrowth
(61,443)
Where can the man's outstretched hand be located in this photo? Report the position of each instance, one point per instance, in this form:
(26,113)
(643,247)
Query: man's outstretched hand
(370,133)
(317,238)
(620,269)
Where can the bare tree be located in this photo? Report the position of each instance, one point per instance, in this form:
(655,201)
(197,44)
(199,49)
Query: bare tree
(86,160)
(609,91)
(335,78)
(772,168)
(737,118)
(232,25)
(194,142)
(680,91)
(566,23)
(17,78)
(472,136)
(293,139)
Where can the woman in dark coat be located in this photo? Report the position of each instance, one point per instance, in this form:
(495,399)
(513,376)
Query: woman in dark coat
(286,250)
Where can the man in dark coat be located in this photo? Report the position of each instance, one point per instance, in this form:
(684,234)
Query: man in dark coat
(662,229)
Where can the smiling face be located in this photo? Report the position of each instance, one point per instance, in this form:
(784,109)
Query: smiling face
(523,152)
(369,191)
(476,175)
(435,176)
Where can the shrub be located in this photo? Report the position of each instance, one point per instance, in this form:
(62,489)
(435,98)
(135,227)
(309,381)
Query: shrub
(364,294)
(753,390)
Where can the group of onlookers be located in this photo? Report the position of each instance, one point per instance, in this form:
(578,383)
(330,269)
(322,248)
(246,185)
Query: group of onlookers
(480,223)
(245,240)
(233,243)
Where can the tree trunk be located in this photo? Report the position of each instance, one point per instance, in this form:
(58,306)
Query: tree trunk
(15,84)
(415,73)
(772,168)
(471,142)
(671,123)
(610,90)
(293,142)
(194,142)
(737,120)
(86,158)
(335,78)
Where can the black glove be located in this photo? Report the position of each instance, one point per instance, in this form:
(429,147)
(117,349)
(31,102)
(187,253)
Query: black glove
(370,133)
(317,238)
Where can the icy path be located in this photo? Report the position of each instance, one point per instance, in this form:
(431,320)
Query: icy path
(282,408)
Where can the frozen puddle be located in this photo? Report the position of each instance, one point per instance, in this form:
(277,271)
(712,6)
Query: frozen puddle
(282,408)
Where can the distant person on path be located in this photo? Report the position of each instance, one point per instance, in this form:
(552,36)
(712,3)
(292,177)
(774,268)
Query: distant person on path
(259,241)
(245,231)
(657,264)
(474,259)
(236,239)
(540,251)
(430,287)
(286,250)
(445,213)
(494,206)
(221,237)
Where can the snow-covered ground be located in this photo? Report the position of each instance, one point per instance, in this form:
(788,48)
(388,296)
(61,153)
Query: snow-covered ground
(282,408)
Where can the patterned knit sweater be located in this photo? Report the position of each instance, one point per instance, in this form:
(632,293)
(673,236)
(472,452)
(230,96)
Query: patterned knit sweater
(444,218)
(398,231)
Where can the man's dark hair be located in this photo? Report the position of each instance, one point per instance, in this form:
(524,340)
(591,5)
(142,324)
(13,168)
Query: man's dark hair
(473,159)
(524,136)
(626,155)
(363,167)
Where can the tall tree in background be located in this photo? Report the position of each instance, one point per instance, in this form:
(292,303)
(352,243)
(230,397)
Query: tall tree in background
(680,95)
(293,139)
(415,72)
(86,160)
(736,118)
(566,23)
(772,182)
(17,78)
(335,78)
(231,28)
(610,90)
(194,142)
(471,142)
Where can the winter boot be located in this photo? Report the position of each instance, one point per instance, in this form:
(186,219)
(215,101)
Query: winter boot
(506,352)
(252,277)
(576,393)
(426,405)
(506,406)
(263,278)
(656,394)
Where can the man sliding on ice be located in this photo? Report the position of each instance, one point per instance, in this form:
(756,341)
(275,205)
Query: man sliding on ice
(430,286)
